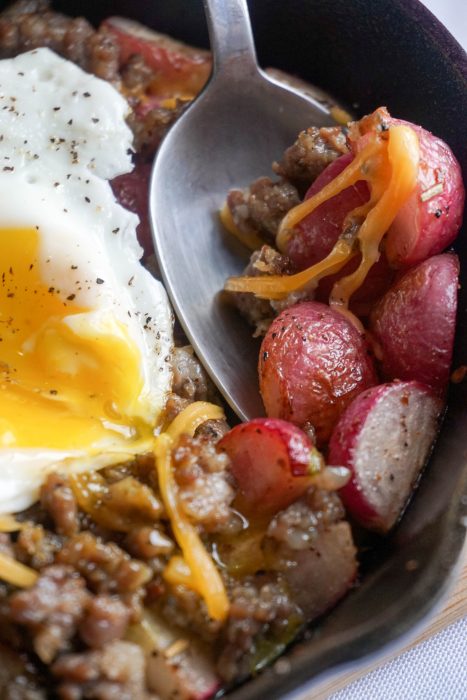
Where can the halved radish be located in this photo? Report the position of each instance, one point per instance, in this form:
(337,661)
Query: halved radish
(384,437)
(414,323)
(313,363)
(272,461)
(430,220)
(317,233)
(178,68)
(323,573)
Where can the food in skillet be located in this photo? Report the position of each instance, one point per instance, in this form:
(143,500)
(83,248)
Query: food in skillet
(352,290)
(194,562)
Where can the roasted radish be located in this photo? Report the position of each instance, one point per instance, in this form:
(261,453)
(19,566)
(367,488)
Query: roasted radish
(384,437)
(313,538)
(272,461)
(317,233)
(414,323)
(312,363)
(178,67)
(430,220)
(323,573)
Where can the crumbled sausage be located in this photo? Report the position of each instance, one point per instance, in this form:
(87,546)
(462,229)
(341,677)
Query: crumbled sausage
(58,500)
(205,489)
(104,565)
(256,605)
(36,546)
(51,609)
(299,525)
(105,619)
(258,312)
(311,153)
(262,206)
(190,381)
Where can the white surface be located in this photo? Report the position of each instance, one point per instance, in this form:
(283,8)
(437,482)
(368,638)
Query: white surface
(434,670)
(453,14)
(437,668)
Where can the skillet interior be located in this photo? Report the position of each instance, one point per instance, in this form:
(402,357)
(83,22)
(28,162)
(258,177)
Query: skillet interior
(390,52)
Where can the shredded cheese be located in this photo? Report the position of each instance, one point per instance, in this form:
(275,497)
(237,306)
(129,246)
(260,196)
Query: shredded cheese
(192,417)
(17,574)
(197,569)
(8,523)
(403,158)
(390,165)
(250,239)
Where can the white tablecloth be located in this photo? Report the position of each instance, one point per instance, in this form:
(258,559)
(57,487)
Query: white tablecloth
(437,668)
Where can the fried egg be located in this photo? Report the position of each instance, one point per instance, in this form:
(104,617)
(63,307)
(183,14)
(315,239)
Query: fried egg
(85,330)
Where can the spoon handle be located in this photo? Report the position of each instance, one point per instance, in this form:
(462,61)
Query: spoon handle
(231,37)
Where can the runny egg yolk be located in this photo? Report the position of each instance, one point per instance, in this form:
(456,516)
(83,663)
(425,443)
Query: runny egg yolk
(65,382)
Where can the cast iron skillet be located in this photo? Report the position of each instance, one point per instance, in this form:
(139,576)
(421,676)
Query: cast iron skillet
(385,52)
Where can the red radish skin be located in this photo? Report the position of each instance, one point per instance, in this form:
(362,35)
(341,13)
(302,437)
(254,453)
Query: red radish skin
(425,228)
(178,67)
(384,437)
(132,192)
(271,461)
(414,323)
(313,363)
(316,235)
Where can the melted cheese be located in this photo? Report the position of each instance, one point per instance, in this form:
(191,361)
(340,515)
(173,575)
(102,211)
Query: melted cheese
(196,569)
(389,163)
(17,574)
(250,239)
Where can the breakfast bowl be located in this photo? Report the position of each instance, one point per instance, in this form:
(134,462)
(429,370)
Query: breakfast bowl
(396,54)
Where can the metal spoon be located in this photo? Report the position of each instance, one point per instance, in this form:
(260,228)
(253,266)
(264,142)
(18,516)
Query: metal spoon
(240,123)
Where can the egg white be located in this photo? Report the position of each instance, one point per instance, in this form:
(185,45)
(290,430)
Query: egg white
(63,136)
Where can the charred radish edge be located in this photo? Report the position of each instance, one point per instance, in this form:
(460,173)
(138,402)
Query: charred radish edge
(385,456)
(204,576)
(389,163)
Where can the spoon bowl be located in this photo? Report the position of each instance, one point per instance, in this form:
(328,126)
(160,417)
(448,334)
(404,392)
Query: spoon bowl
(241,123)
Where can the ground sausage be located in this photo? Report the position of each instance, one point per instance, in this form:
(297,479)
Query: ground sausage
(311,153)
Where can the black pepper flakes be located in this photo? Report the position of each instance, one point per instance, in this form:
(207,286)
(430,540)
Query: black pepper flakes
(99,280)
